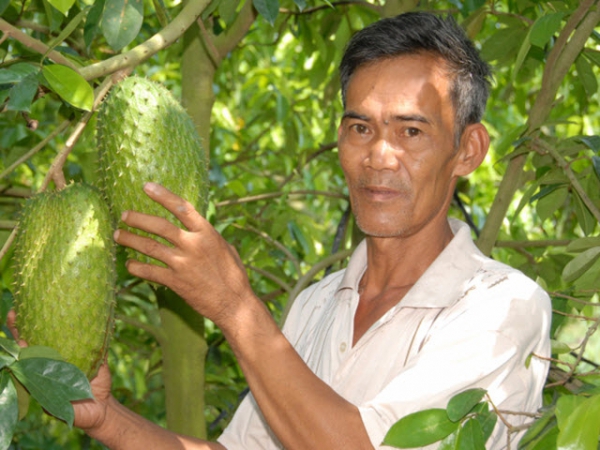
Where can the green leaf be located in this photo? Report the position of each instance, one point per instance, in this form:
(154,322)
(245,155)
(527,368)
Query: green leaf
(581,429)
(69,29)
(559,348)
(17,72)
(22,94)
(92,23)
(586,220)
(23,398)
(552,198)
(420,429)
(470,436)
(301,4)
(537,430)
(592,55)
(461,404)
(54,384)
(581,244)
(592,142)
(580,264)
(596,162)
(6,360)
(40,351)
(486,418)
(10,347)
(70,86)
(544,28)
(122,21)
(586,76)
(62,5)
(269,9)
(523,51)
(9,409)
(3,5)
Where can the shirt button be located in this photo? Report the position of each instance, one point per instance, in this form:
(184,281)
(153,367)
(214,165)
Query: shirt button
(343,347)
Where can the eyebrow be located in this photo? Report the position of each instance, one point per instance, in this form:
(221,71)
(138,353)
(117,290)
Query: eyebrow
(397,118)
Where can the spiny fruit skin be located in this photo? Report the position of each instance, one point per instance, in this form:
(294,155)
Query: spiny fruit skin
(144,134)
(65,277)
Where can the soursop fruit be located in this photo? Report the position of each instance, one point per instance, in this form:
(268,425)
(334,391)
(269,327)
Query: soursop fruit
(144,134)
(65,277)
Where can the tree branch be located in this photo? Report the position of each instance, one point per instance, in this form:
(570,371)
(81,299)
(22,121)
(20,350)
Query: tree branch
(144,51)
(560,59)
(231,37)
(56,173)
(35,45)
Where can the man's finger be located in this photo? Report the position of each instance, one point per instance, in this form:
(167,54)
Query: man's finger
(153,225)
(148,272)
(180,208)
(145,245)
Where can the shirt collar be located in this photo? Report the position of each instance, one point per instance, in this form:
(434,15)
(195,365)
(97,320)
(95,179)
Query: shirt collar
(442,284)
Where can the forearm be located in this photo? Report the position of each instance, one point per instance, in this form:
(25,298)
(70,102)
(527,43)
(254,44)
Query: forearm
(302,410)
(122,429)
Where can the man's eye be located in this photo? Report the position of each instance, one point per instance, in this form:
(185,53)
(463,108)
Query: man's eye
(411,132)
(359,128)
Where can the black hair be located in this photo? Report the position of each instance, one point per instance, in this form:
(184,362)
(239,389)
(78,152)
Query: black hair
(420,32)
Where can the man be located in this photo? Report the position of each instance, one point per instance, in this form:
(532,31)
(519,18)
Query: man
(418,316)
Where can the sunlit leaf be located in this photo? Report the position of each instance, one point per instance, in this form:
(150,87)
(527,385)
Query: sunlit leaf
(62,5)
(580,264)
(9,409)
(70,86)
(54,384)
(460,405)
(581,428)
(122,21)
(537,431)
(420,429)
(581,244)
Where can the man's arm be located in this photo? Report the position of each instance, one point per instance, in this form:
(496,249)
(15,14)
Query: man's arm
(302,410)
(122,429)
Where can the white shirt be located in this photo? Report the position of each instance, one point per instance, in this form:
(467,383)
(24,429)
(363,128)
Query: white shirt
(468,322)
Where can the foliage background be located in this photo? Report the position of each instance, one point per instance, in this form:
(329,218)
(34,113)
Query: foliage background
(260,81)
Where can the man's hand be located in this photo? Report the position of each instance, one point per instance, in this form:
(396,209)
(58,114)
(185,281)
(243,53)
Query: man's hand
(89,413)
(201,266)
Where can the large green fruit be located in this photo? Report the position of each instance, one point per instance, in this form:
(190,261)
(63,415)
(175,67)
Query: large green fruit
(144,134)
(65,276)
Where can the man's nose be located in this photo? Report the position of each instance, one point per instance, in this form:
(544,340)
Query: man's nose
(382,155)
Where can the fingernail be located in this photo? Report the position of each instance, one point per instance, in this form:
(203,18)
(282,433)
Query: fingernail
(124,215)
(116,234)
(151,187)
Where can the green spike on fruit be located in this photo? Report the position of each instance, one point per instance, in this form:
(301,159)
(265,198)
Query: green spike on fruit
(144,134)
(65,277)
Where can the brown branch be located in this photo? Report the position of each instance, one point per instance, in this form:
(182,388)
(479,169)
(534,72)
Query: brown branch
(232,36)
(34,44)
(534,244)
(55,172)
(568,46)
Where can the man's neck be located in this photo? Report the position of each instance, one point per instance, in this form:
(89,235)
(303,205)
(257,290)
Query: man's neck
(393,266)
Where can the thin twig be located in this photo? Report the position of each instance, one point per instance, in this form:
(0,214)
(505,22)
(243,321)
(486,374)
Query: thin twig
(56,169)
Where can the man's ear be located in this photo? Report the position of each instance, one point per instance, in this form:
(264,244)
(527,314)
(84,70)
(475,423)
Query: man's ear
(474,145)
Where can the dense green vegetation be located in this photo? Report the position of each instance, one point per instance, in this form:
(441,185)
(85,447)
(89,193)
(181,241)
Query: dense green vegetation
(259,79)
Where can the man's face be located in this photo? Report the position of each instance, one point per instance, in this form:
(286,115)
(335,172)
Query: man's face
(396,145)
